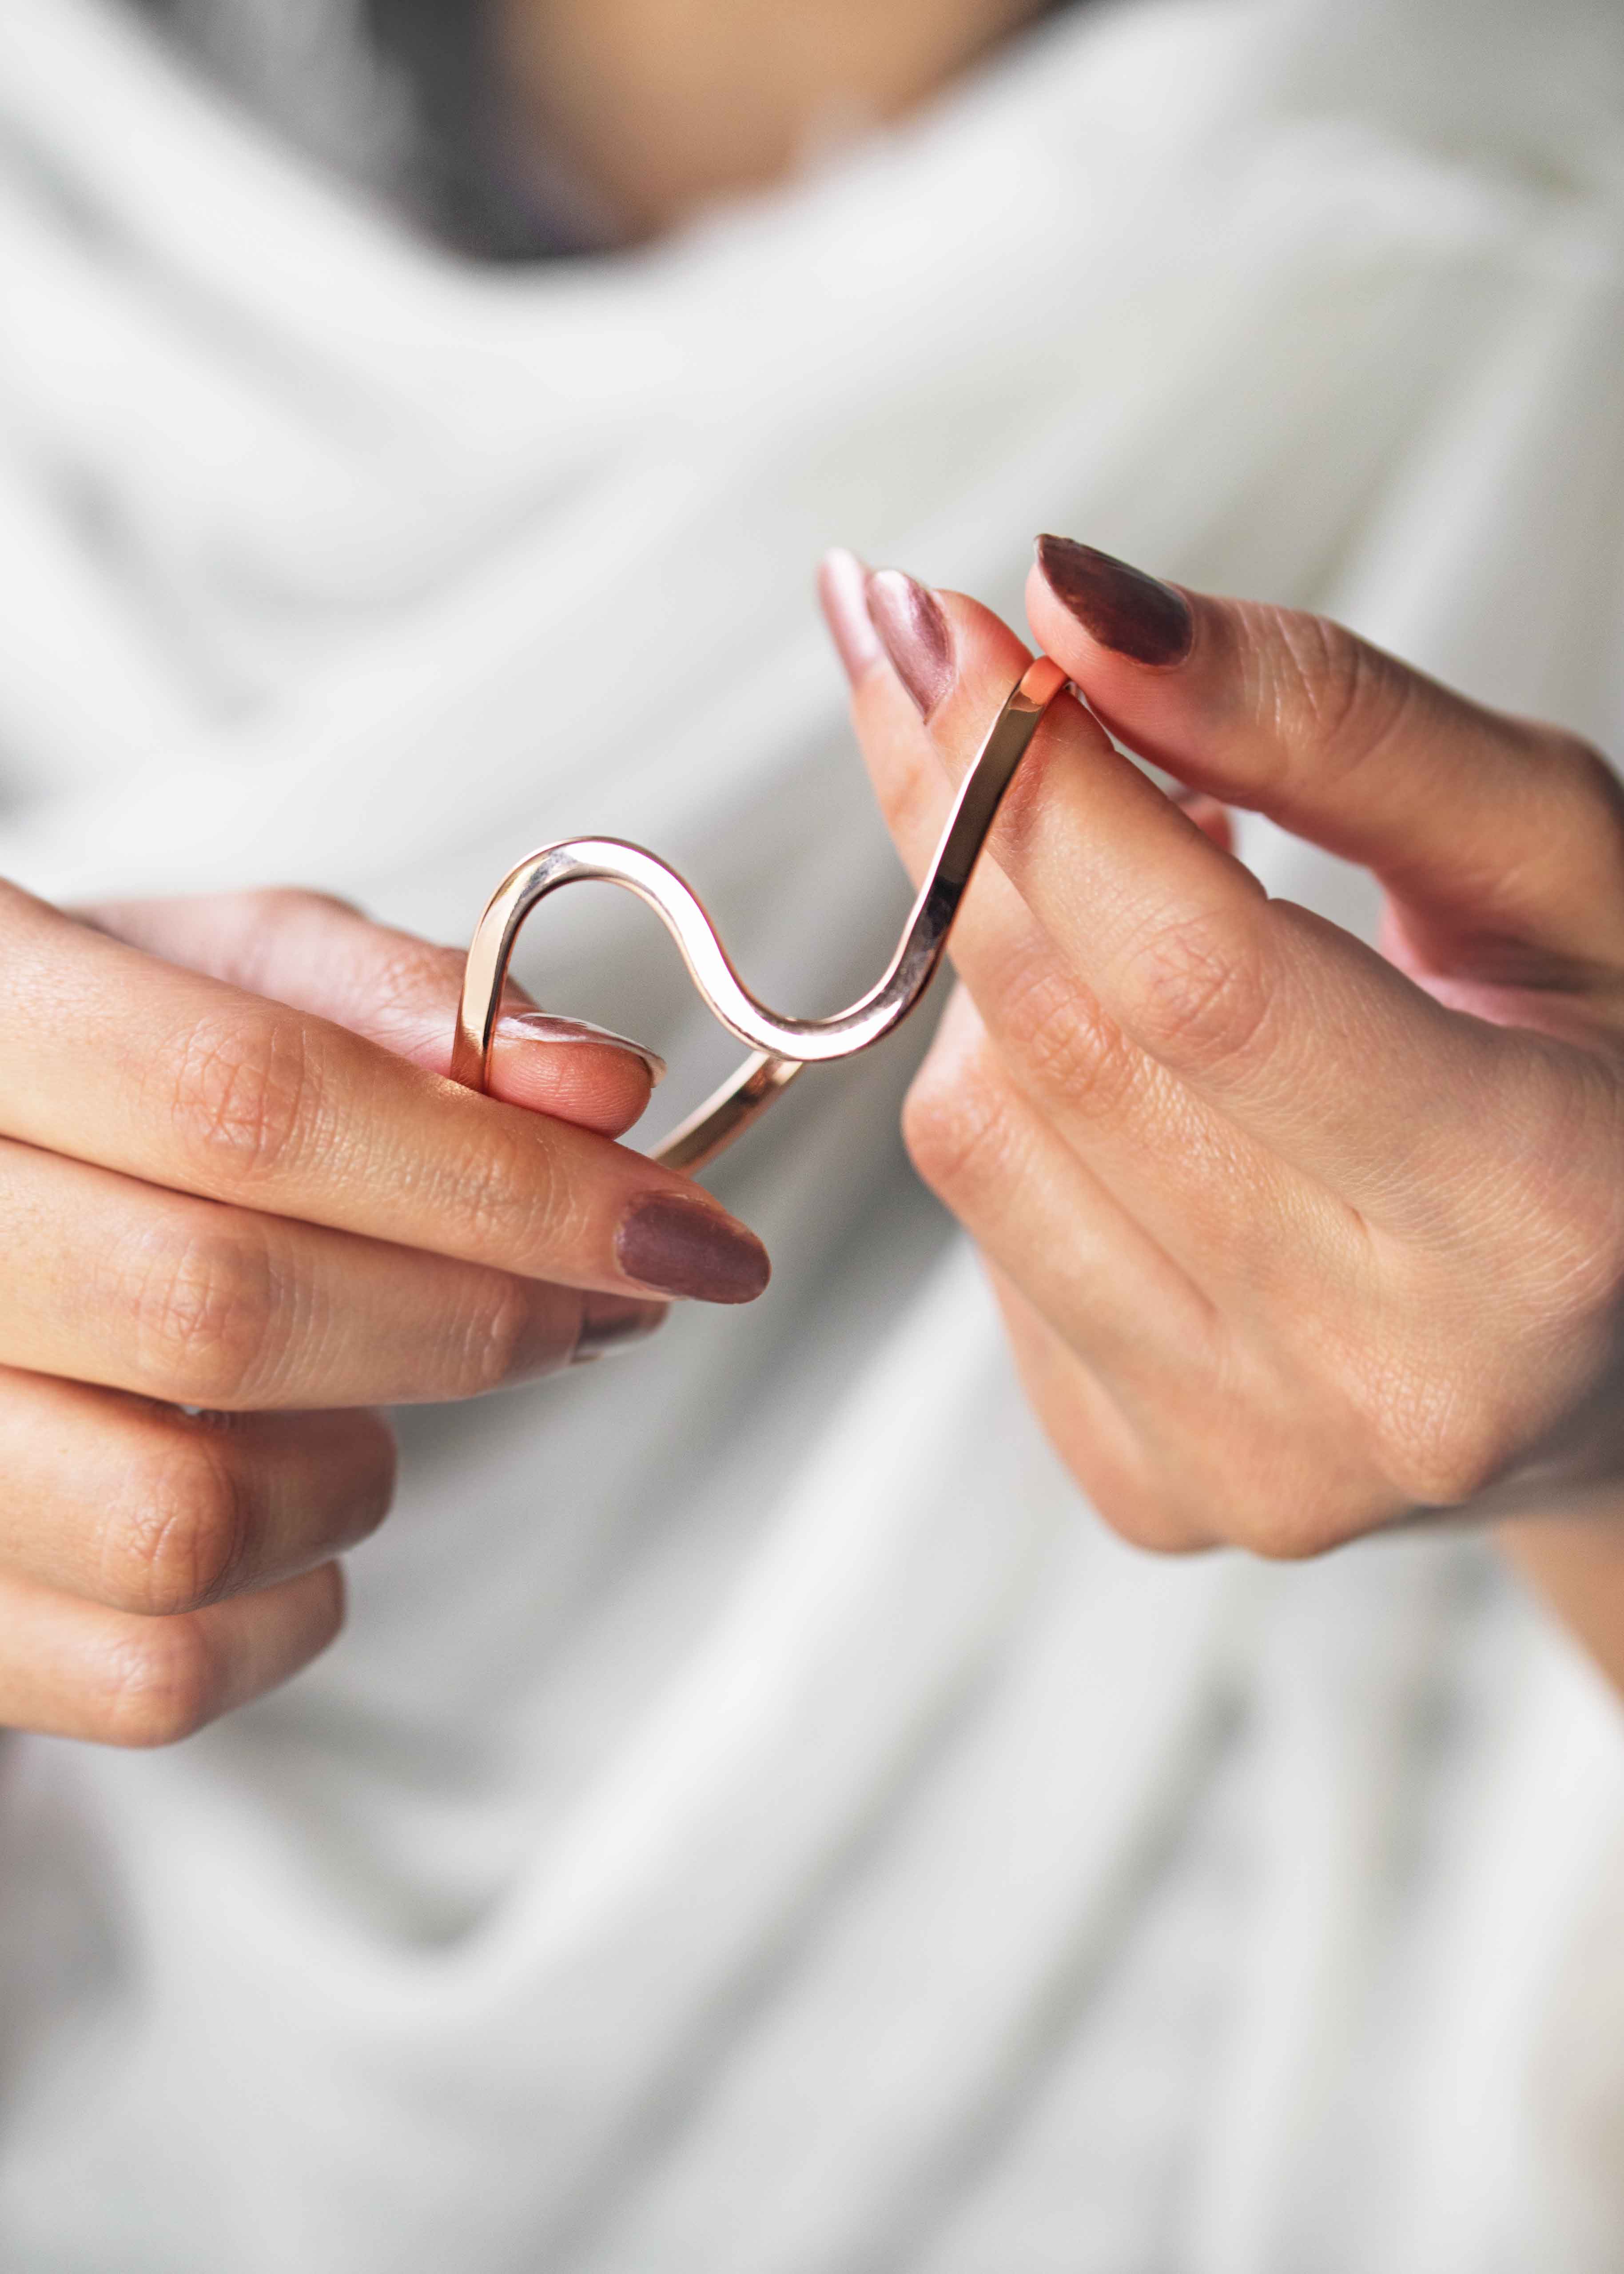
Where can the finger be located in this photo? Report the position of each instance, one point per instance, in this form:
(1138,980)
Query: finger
(112,1282)
(1506,839)
(75,1669)
(1184,1171)
(320,954)
(143,1507)
(111,1055)
(1227,1436)
(1118,1301)
(1269,1013)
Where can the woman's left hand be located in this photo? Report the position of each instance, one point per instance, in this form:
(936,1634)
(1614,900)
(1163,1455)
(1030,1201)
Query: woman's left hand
(1292,1237)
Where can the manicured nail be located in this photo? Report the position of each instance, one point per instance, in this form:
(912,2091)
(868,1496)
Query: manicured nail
(841,579)
(687,1247)
(613,1323)
(1121,607)
(544,1026)
(914,634)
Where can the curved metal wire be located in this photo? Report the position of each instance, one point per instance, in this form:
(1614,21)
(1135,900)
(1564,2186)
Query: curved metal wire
(780,1047)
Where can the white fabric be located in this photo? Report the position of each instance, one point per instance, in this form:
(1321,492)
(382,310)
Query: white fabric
(756,1819)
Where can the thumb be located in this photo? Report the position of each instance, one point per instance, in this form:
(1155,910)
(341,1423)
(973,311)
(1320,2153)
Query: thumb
(1502,840)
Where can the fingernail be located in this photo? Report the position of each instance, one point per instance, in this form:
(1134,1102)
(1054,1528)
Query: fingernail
(1120,606)
(687,1247)
(914,634)
(613,1323)
(544,1026)
(841,577)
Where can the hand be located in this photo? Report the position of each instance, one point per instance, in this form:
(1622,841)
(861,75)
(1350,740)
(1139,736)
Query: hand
(234,1178)
(1291,1239)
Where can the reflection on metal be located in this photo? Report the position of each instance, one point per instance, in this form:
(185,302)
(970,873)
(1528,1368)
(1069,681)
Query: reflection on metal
(780,1047)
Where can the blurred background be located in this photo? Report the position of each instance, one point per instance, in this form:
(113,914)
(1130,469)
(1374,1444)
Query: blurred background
(758,1819)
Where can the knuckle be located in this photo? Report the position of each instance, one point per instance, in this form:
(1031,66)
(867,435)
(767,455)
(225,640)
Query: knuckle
(405,976)
(1156,1523)
(511,1196)
(1330,693)
(1061,1036)
(272,908)
(1272,1464)
(1279,1519)
(242,1095)
(1202,996)
(156,1683)
(494,1344)
(265,916)
(205,1313)
(327,1623)
(299,900)
(1448,1465)
(1287,1493)
(1439,1441)
(1402,1421)
(955,1129)
(1295,1529)
(183,1540)
(379,1467)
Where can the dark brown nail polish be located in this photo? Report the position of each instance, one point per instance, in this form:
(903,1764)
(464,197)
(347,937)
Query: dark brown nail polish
(1118,605)
(612,1324)
(914,634)
(684,1247)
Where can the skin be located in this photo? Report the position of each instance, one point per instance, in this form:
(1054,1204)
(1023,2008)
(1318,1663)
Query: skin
(1294,1240)
(658,107)
(244,1207)
(234,1178)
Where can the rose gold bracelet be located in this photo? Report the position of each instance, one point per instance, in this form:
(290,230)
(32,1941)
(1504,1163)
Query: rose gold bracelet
(780,1047)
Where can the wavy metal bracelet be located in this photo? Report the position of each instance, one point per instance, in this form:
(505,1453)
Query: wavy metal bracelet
(780,1047)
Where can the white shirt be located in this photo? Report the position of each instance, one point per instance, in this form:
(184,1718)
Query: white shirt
(756,1817)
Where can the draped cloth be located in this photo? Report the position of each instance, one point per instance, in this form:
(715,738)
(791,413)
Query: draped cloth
(758,1821)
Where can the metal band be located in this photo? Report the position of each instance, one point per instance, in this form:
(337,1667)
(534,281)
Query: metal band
(780,1047)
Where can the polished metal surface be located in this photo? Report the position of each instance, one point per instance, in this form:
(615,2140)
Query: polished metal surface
(780,1047)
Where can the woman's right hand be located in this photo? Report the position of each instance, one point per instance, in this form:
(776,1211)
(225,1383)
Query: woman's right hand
(245,1206)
